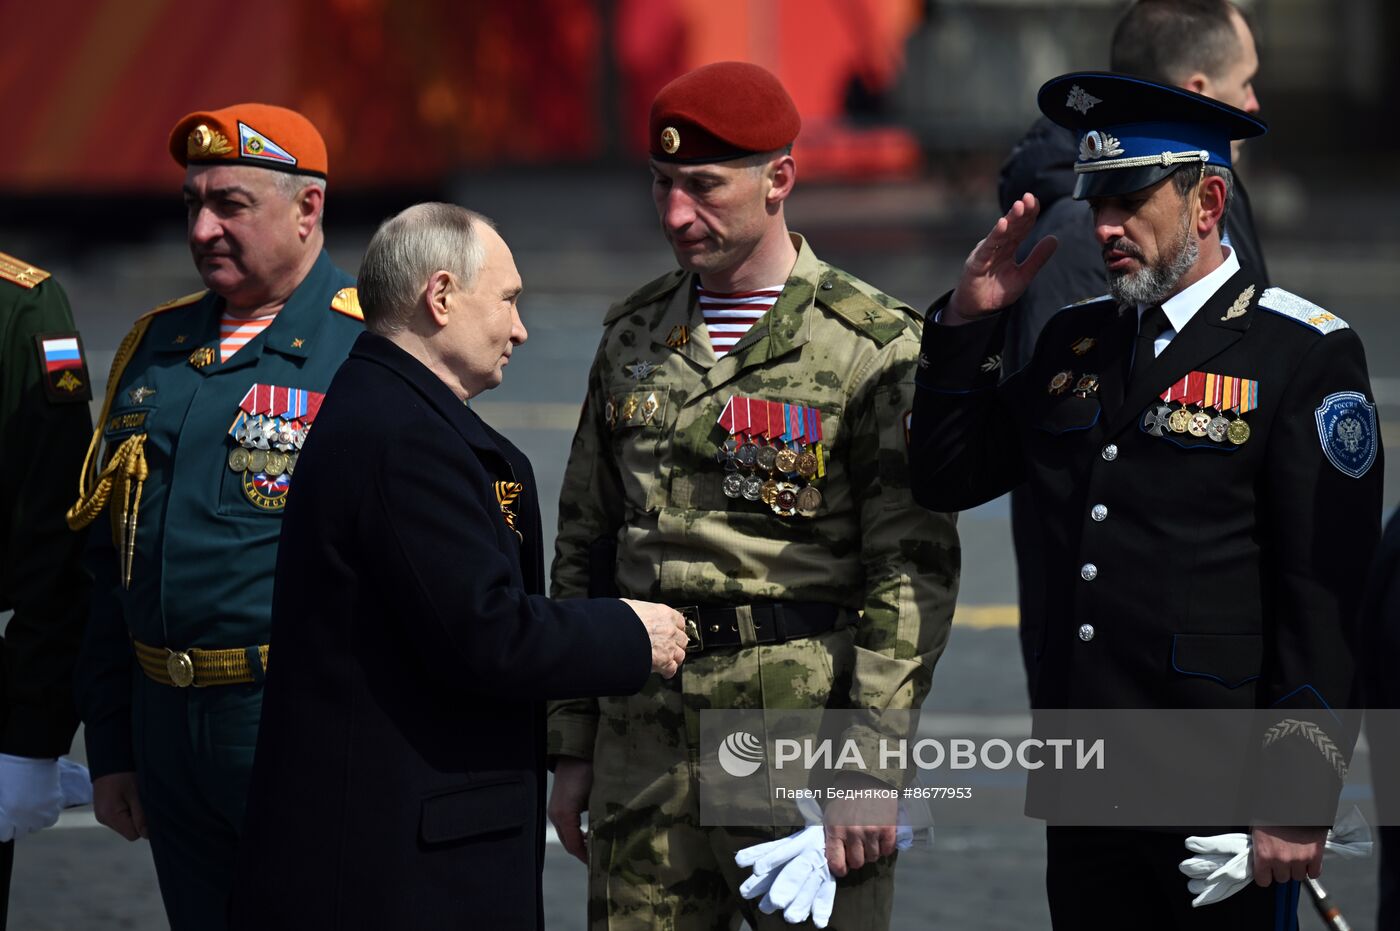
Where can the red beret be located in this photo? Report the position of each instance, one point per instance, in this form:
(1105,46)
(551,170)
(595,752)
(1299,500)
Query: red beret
(720,112)
(256,134)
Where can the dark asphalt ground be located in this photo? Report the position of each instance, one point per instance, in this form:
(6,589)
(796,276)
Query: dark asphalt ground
(579,247)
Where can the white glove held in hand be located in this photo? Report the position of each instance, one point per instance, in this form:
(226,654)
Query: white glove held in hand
(30,795)
(1224,863)
(792,874)
(75,783)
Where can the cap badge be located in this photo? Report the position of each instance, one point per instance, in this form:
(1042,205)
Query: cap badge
(670,140)
(256,145)
(1097,145)
(1081,100)
(203,141)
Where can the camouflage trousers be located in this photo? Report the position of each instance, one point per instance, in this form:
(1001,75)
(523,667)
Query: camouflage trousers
(651,863)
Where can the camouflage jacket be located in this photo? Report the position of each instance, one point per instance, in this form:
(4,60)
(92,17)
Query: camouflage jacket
(643,470)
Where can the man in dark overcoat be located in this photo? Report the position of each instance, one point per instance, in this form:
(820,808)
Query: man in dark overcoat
(400,769)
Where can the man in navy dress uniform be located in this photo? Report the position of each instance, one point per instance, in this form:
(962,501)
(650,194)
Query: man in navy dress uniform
(1205,461)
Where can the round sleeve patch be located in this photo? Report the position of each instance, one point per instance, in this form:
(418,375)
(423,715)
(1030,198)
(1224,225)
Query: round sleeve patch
(1346,426)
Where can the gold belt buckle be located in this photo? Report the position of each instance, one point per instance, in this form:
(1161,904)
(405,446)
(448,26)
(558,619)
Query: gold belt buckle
(693,641)
(180,667)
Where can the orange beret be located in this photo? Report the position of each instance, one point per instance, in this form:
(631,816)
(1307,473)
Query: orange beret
(720,112)
(256,134)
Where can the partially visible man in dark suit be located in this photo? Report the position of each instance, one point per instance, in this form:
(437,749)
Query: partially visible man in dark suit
(399,775)
(1204,46)
(1380,649)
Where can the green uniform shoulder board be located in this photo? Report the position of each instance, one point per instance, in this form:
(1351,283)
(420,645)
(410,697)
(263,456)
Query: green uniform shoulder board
(185,301)
(858,309)
(20,272)
(347,302)
(646,294)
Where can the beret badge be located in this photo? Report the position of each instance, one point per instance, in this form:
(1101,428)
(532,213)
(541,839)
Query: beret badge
(203,141)
(670,140)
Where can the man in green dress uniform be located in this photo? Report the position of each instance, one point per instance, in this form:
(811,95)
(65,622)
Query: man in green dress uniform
(44,423)
(208,403)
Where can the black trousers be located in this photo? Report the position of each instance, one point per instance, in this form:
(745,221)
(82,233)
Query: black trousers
(1118,878)
(7,862)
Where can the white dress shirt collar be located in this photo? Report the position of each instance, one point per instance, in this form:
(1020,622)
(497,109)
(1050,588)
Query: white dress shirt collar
(1181,307)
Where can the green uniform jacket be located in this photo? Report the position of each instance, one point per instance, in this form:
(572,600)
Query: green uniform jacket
(205,551)
(42,439)
(651,481)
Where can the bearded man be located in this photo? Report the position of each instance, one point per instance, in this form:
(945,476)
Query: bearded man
(1206,468)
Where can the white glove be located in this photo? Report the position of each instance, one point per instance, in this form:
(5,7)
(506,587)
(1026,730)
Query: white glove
(1224,863)
(74,782)
(30,796)
(792,873)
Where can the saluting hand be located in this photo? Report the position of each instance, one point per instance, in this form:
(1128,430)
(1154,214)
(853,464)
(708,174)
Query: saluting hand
(991,277)
(666,628)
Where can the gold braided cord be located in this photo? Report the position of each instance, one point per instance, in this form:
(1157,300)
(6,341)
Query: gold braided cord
(90,484)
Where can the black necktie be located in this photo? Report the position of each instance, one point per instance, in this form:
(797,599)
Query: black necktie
(1153,324)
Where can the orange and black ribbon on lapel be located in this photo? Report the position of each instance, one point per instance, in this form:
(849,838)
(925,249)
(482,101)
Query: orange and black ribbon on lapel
(506,494)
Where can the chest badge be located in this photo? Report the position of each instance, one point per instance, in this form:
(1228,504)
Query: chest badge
(640,369)
(202,357)
(1059,384)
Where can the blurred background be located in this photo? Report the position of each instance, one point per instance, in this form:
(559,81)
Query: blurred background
(534,112)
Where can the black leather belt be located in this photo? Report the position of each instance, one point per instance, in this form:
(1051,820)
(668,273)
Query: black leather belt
(709,627)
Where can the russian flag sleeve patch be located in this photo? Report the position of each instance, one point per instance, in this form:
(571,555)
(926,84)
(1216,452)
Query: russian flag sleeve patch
(63,367)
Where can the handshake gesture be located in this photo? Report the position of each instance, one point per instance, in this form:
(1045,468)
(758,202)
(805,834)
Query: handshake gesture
(666,630)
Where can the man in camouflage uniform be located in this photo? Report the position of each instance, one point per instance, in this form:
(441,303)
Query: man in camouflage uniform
(812,586)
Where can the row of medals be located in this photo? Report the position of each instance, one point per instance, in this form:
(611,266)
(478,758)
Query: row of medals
(1197,421)
(784,482)
(266,444)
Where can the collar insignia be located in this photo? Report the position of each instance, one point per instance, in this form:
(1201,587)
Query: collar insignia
(1241,304)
